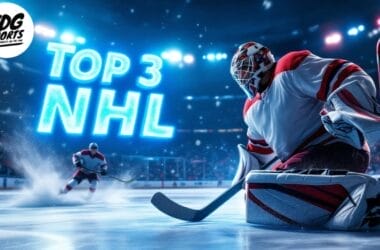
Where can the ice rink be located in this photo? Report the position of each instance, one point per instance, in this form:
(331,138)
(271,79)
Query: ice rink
(125,219)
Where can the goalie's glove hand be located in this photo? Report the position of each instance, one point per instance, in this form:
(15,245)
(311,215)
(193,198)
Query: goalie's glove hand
(247,162)
(335,124)
(103,172)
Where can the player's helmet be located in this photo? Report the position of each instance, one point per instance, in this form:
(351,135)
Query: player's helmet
(249,64)
(93,145)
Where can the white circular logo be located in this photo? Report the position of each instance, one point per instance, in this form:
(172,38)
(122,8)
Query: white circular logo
(16,30)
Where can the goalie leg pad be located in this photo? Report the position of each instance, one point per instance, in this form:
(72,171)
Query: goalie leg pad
(310,198)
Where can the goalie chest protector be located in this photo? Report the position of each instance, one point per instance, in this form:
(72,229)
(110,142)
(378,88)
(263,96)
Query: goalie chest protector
(309,198)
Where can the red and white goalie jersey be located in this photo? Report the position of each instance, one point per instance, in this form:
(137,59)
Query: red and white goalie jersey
(286,117)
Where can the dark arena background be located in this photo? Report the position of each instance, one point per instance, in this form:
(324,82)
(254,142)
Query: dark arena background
(149,82)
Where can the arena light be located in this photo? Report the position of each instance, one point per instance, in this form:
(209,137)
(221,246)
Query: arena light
(80,40)
(267,4)
(215,56)
(374,32)
(219,56)
(45,31)
(353,32)
(378,21)
(210,57)
(333,38)
(67,37)
(188,59)
(173,56)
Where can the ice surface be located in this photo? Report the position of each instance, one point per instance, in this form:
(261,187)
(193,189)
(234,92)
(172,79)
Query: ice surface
(125,219)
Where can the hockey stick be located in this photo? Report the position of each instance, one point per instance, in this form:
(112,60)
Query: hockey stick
(173,209)
(110,176)
(169,207)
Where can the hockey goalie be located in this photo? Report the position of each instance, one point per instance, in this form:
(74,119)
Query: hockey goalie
(311,122)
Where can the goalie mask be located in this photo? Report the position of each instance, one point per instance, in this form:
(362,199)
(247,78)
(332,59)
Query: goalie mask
(249,64)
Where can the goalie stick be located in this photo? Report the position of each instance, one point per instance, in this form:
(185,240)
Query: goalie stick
(173,209)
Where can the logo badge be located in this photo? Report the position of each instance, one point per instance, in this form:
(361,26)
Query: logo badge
(16,30)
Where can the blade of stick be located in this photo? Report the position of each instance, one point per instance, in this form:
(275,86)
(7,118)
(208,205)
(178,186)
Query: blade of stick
(173,209)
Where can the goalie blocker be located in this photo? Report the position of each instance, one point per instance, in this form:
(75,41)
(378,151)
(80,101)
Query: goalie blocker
(331,199)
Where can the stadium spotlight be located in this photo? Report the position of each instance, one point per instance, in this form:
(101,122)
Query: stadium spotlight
(80,40)
(333,38)
(67,37)
(45,31)
(215,56)
(173,56)
(353,32)
(210,57)
(378,21)
(361,27)
(219,56)
(188,59)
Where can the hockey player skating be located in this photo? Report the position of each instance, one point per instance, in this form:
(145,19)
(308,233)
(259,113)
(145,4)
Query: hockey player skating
(89,162)
(310,112)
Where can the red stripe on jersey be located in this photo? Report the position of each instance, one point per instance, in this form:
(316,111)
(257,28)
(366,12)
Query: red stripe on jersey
(351,101)
(329,74)
(97,155)
(249,102)
(344,74)
(260,142)
(259,150)
(85,152)
(290,61)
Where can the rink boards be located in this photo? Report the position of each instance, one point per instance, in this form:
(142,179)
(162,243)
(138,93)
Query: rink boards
(17,183)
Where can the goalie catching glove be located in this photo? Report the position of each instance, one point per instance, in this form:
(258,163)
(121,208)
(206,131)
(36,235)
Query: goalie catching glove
(248,162)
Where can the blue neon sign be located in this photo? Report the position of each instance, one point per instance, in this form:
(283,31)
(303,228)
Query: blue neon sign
(73,116)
